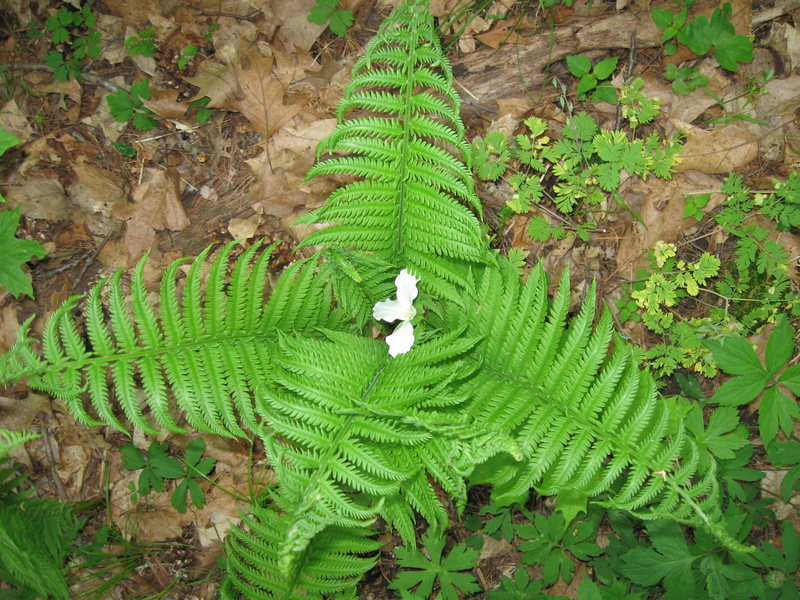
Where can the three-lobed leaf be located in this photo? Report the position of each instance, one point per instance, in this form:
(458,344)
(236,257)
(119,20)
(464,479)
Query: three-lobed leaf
(15,253)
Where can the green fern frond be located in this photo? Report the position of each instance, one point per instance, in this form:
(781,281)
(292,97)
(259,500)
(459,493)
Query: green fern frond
(36,537)
(208,345)
(12,439)
(586,418)
(410,207)
(351,419)
(332,562)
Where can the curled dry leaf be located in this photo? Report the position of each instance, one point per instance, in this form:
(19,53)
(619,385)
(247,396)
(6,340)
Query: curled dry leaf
(98,190)
(719,150)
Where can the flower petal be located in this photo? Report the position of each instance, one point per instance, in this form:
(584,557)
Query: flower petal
(406,287)
(402,339)
(391,310)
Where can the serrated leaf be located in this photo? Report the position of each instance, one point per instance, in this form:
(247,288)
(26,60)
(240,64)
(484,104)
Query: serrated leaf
(780,346)
(178,499)
(791,378)
(143,121)
(341,21)
(731,50)
(740,390)
(671,561)
(322,11)
(735,356)
(776,411)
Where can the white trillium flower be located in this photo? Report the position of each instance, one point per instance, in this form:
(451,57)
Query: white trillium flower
(401,309)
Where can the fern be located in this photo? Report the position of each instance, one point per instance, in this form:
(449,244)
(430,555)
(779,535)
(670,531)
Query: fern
(407,146)
(36,537)
(211,346)
(586,420)
(12,439)
(499,375)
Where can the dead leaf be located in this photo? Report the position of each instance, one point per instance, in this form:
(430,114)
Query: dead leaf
(719,150)
(40,198)
(660,203)
(14,122)
(156,206)
(785,40)
(296,29)
(165,104)
(262,100)
(217,81)
(98,190)
(244,229)
(500,35)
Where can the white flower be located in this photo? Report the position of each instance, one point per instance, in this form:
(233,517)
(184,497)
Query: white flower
(401,309)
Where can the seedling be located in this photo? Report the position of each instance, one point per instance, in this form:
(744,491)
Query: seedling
(187,54)
(129,105)
(326,10)
(449,571)
(157,465)
(591,78)
(142,44)
(685,79)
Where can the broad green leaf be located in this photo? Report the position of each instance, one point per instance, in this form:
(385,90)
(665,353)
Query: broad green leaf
(605,67)
(586,83)
(780,346)
(194,450)
(579,65)
(718,436)
(740,390)
(178,499)
(776,411)
(791,378)
(132,458)
(661,17)
(15,253)
(735,356)
(731,50)
(448,571)
(7,140)
(670,561)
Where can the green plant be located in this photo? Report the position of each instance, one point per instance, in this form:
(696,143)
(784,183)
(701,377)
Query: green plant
(201,111)
(590,78)
(142,44)
(499,386)
(735,356)
(158,465)
(703,36)
(430,568)
(187,54)
(127,105)
(684,79)
(37,535)
(326,10)
(585,164)
(74,29)
(551,542)
(15,251)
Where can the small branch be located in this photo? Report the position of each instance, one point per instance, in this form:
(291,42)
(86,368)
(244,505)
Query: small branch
(90,77)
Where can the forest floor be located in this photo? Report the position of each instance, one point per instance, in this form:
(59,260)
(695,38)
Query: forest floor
(99,191)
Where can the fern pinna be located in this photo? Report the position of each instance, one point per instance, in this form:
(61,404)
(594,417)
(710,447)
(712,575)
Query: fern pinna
(501,386)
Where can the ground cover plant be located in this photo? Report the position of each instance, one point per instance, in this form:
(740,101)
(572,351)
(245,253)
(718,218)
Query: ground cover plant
(417,393)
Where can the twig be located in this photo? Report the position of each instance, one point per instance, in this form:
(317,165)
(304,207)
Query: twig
(90,77)
(628,73)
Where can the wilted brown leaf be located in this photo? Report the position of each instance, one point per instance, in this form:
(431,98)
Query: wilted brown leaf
(719,150)
(98,190)
(39,198)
